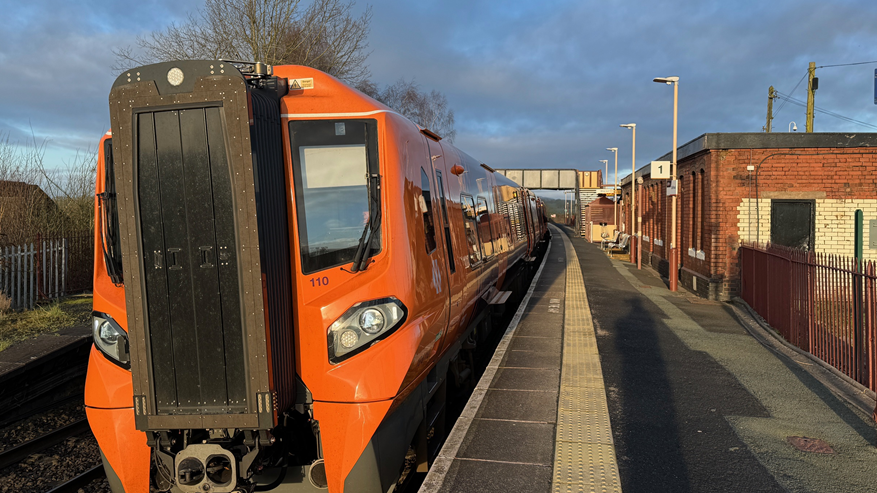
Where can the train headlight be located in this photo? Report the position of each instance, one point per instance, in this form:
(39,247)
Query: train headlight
(363,325)
(349,339)
(111,339)
(371,321)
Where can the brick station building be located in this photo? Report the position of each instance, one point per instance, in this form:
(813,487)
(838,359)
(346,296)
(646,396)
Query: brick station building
(794,189)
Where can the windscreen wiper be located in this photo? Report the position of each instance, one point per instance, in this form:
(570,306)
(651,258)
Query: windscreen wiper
(363,250)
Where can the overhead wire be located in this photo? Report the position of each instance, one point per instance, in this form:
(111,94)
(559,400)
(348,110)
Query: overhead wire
(798,102)
(783,104)
(792,92)
(845,64)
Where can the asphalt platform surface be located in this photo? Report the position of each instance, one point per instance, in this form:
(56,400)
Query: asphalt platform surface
(698,404)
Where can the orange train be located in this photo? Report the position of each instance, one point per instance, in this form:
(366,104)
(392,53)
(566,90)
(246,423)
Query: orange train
(288,277)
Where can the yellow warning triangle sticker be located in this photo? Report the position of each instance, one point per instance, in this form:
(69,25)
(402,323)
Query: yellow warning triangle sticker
(295,84)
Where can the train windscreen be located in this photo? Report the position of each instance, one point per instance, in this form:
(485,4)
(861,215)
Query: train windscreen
(335,168)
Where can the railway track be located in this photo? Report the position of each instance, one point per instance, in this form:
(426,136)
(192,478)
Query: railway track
(74,484)
(20,453)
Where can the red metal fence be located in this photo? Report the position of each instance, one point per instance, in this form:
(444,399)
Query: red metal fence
(824,304)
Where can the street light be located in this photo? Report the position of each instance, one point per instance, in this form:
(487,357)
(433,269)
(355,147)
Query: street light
(570,196)
(674,261)
(615,189)
(635,229)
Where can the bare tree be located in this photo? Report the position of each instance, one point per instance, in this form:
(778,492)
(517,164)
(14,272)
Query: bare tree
(324,35)
(72,189)
(429,110)
(19,209)
(330,39)
(37,199)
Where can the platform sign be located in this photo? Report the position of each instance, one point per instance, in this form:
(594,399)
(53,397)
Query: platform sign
(660,170)
(672,187)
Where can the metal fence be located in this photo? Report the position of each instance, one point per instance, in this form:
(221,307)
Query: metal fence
(46,269)
(824,304)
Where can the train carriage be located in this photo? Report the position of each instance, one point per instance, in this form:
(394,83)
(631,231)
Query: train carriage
(287,275)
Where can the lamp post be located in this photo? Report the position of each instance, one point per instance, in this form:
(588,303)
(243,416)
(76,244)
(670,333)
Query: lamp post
(634,228)
(674,260)
(565,213)
(568,196)
(615,189)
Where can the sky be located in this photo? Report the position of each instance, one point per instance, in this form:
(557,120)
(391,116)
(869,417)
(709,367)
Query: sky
(532,84)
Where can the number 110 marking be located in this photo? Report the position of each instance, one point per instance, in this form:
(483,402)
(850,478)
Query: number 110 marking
(319,281)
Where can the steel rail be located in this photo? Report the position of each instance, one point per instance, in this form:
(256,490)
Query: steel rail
(73,485)
(20,452)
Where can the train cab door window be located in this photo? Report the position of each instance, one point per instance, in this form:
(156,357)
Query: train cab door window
(471,229)
(792,223)
(335,173)
(426,209)
(109,218)
(440,184)
(484,230)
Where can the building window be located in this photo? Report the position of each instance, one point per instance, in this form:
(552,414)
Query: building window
(652,215)
(701,212)
(681,214)
(659,210)
(792,223)
(692,232)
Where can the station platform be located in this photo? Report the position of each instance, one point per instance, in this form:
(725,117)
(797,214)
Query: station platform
(607,380)
(538,420)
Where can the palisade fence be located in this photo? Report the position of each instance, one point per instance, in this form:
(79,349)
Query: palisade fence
(46,268)
(824,304)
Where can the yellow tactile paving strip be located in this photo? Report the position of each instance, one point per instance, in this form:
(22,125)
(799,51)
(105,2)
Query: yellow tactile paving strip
(584,454)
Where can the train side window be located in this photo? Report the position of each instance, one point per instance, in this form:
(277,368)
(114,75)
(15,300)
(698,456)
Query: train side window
(484,230)
(519,215)
(440,184)
(426,208)
(506,213)
(471,228)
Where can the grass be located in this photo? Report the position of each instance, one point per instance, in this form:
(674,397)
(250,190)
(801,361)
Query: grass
(45,319)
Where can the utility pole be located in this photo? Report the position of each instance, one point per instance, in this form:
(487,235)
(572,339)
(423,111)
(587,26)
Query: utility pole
(771,95)
(812,85)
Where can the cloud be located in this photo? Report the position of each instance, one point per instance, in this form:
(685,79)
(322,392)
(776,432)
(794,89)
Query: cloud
(575,70)
(533,84)
(56,57)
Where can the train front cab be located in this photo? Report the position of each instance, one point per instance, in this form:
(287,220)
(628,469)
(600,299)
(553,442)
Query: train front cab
(289,281)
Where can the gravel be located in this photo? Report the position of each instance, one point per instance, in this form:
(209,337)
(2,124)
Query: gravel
(46,469)
(40,424)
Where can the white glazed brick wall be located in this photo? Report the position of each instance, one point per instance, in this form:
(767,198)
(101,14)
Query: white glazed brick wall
(749,228)
(835,223)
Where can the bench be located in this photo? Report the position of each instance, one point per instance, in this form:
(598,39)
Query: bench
(619,246)
(607,240)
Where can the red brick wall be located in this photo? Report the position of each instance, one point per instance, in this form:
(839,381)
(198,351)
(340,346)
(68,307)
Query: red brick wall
(836,173)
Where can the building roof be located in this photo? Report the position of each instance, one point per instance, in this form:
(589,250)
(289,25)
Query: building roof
(763,140)
(18,189)
(601,201)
